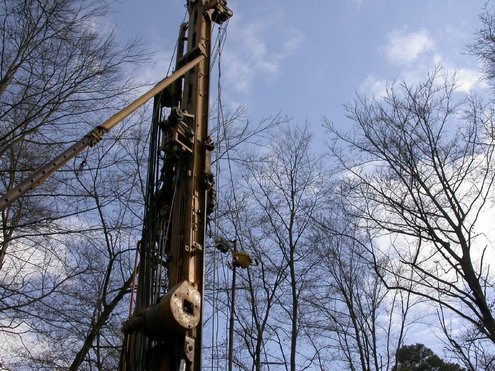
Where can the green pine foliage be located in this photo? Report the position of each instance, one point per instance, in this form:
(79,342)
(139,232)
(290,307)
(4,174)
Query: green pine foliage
(418,357)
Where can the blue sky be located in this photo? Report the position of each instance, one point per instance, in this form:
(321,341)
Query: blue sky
(307,58)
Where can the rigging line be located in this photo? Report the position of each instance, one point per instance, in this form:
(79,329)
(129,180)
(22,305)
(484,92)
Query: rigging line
(219,43)
(152,185)
(236,228)
(229,162)
(155,290)
(214,330)
(134,274)
(215,47)
(164,239)
(154,162)
(176,47)
(159,112)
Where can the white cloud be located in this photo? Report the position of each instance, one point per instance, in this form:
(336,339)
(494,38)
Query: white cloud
(406,47)
(374,87)
(356,4)
(257,50)
(158,68)
(467,79)
(413,55)
(295,38)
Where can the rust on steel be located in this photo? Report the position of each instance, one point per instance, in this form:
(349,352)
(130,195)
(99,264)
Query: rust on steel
(165,330)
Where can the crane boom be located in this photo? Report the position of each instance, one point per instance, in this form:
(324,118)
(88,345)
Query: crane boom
(90,139)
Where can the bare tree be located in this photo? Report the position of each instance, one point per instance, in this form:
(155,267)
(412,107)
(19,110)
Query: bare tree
(115,187)
(79,322)
(354,320)
(63,260)
(58,73)
(281,186)
(419,166)
(234,134)
(257,288)
(483,46)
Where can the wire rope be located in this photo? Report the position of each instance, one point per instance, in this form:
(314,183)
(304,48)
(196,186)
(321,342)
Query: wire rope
(225,136)
(215,316)
(216,61)
(159,271)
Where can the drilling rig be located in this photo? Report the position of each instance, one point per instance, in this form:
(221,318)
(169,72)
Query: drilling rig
(164,332)
(165,326)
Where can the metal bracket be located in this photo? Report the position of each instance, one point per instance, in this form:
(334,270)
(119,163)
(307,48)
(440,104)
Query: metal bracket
(195,249)
(95,135)
(178,131)
(189,348)
(221,11)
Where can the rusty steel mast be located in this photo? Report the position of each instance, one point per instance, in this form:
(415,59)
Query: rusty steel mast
(164,331)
